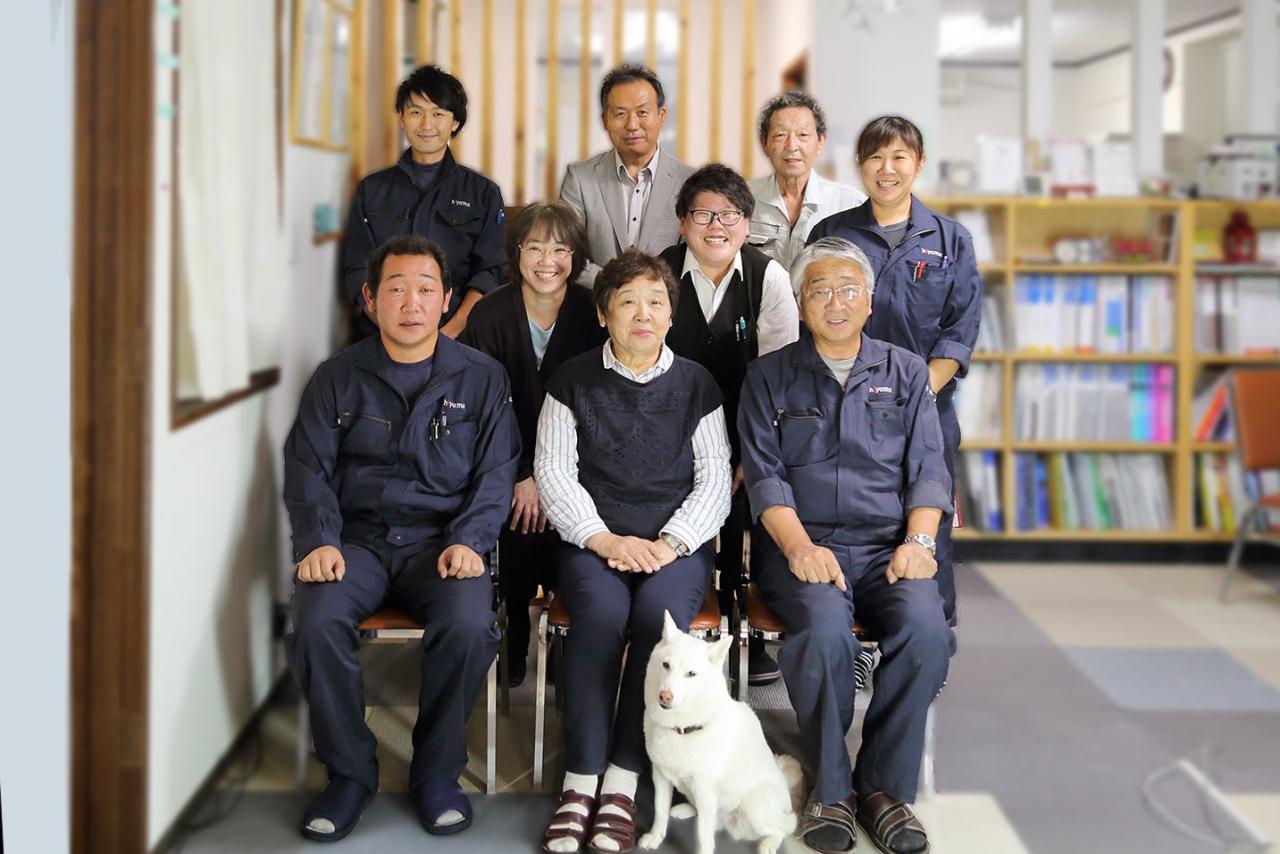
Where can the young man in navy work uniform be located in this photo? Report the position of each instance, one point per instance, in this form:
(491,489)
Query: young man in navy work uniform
(398,476)
(842,456)
(428,193)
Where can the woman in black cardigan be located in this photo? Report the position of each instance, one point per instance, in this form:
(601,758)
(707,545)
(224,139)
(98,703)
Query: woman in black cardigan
(531,325)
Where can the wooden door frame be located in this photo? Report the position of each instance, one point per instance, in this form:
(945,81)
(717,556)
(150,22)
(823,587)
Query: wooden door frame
(111,419)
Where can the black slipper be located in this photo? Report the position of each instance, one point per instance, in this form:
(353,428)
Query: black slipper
(335,811)
(434,798)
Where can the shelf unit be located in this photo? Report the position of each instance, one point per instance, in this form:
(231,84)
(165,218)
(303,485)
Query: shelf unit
(1022,231)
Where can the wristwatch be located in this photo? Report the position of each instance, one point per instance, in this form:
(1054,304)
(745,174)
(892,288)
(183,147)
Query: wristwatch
(924,540)
(678,547)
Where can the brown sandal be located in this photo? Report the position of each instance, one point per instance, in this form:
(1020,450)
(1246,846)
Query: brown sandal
(577,823)
(885,820)
(620,828)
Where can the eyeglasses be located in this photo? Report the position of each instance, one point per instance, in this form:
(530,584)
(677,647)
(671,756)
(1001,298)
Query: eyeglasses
(821,296)
(728,218)
(555,253)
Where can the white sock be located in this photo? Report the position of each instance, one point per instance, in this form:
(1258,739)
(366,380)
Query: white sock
(583,784)
(618,781)
(448,817)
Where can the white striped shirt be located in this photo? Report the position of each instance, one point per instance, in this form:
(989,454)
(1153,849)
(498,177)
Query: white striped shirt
(569,506)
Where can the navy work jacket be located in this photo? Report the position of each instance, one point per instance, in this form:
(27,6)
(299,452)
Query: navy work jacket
(462,212)
(928,294)
(853,461)
(362,464)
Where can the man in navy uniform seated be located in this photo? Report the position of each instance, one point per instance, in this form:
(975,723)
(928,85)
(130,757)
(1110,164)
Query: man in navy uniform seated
(398,476)
(842,456)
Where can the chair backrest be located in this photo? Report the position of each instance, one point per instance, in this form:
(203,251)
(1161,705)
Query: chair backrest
(1255,410)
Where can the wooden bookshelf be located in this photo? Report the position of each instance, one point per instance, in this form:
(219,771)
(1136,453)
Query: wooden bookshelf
(1022,234)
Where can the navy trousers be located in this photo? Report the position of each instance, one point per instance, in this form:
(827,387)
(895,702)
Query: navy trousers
(607,610)
(458,645)
(817,664)
(527,561)
(945,553)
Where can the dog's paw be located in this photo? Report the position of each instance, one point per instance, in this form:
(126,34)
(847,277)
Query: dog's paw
(649,841)
(769,845)
(685,810)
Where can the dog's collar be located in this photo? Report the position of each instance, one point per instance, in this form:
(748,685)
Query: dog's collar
(685,730)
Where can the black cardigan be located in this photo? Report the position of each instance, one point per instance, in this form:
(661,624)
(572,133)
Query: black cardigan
(499,326)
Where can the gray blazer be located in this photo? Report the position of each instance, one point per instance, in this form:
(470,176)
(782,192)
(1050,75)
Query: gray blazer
(590,187)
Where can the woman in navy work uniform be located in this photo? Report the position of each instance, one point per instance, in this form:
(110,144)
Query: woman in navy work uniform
(928,295)
(532,326)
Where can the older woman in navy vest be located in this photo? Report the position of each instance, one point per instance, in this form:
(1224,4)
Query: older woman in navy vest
(632,466)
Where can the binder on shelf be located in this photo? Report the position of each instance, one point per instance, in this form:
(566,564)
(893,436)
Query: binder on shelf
(1085,491)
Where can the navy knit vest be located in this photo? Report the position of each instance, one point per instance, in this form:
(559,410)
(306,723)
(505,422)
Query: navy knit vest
(728,343)
(635,441)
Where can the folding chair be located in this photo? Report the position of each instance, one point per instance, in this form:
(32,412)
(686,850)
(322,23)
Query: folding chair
(393,624)
(553,627)
(1255,412)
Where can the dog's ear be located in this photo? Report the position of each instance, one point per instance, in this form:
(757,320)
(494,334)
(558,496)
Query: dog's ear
(670,630)
(719,650)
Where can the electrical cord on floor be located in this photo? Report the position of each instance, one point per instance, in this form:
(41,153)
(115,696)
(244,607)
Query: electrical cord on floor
(225,797)
(1206,790)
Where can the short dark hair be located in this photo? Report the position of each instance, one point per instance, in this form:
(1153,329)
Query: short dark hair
(406,244)
(786,100)
(557,221)
(716,178)
(631,265)
(440,87)
(883,130)
(630,74)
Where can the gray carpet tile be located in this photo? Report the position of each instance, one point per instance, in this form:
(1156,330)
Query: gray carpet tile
(1175,680)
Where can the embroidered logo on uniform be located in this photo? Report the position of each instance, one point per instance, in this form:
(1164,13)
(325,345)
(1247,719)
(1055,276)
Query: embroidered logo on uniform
(449,404)
(930,252)
(878,389)
(460,203)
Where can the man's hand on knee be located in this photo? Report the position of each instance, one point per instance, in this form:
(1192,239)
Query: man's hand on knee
(815,565)
(911,560)
(459,561)
(322,564)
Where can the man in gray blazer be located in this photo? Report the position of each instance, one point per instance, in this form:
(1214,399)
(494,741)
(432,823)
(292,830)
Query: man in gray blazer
(627,196)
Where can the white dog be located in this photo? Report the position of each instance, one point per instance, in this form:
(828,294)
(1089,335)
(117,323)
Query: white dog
(711,748)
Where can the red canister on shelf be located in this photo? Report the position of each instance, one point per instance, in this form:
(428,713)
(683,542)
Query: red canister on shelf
(1239,240)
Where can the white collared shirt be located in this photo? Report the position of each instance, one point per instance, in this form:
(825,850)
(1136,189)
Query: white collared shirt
(778,321)
(570,507)
(771,230)
(635,192)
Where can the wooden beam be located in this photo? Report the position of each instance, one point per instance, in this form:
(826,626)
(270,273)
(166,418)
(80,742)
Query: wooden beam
(520,100)
(486,100)
(111,413)
(682,120)
(455,60)
(392,48)
(717,50)
(425,8)
(651,33)
(748,82)
(619,15)
(553,97)
(584,91)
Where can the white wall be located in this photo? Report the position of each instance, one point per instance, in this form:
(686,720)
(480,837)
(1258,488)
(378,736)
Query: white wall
(218,530)
(35,505)
(850,79)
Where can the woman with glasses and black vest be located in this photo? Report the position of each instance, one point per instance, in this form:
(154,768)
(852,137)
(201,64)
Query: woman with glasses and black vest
(735,304)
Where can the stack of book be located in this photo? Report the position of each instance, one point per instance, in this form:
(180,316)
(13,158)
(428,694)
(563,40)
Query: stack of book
(1093,492)
(978,401)
(1236,315)
(991,330)
(978,491)
(1094,403)
(1093,314)
(1211,411)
